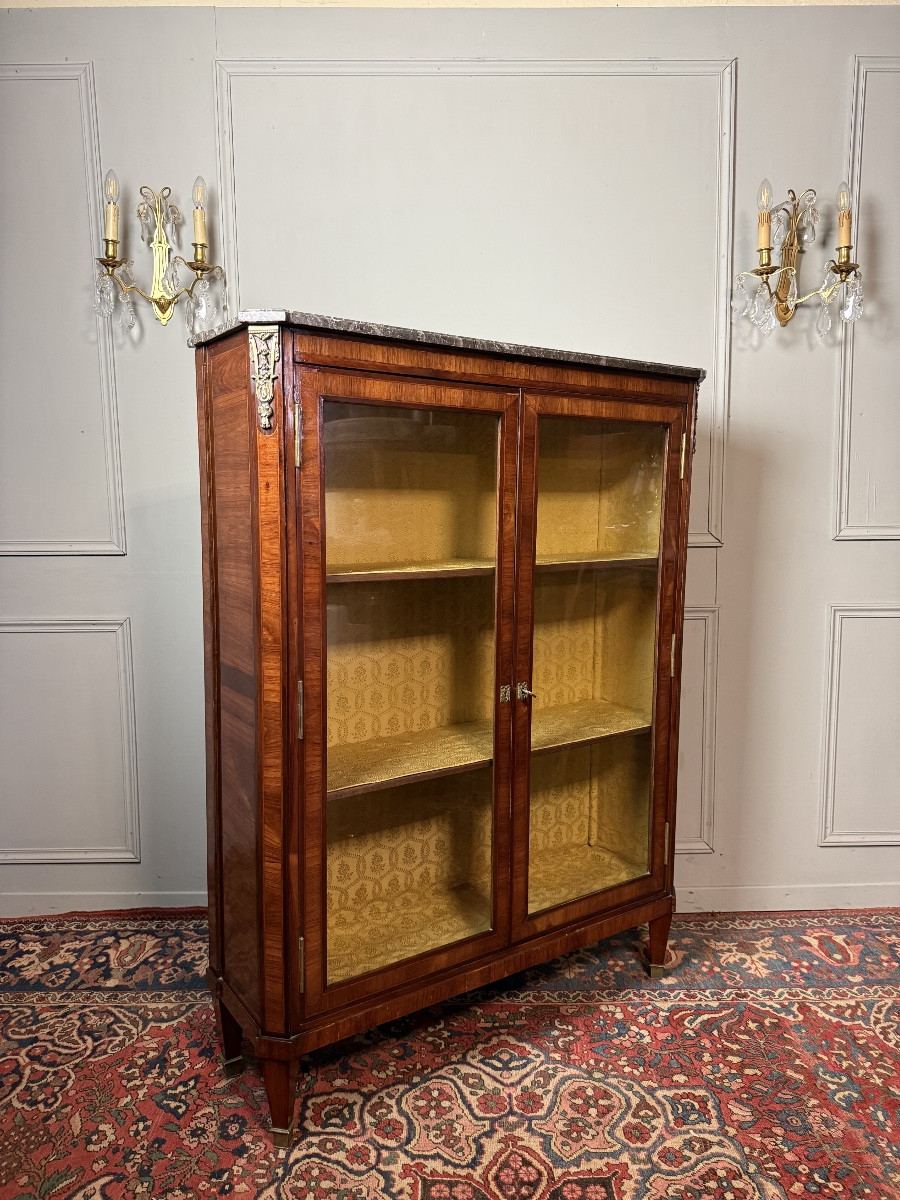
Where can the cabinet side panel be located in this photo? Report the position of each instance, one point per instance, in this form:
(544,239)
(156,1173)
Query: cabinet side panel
(237,651)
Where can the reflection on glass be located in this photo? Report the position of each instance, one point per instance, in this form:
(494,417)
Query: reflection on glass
(411,531)
(595,599)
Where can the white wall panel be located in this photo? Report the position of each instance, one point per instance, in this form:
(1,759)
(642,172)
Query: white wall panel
(868,504)
(67,742)
(697,737)
(862,764)
(499,199)
(60,480)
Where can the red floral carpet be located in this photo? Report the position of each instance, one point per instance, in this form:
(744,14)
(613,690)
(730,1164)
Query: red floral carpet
(766,1065)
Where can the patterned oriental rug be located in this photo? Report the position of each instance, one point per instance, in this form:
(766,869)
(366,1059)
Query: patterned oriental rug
(765,1065)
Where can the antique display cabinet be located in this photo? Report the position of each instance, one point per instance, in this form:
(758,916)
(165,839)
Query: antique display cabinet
(444,587)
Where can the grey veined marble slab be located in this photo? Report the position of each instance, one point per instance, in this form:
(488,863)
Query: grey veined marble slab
(444,340)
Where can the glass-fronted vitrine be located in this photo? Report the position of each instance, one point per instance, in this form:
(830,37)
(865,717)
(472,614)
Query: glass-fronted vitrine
(443,598)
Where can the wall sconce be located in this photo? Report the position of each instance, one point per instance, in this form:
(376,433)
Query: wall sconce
(159,219)
(788,227)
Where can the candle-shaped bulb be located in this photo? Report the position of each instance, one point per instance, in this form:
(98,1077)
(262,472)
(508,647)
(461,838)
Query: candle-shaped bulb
(199,194)
(111,188)
(845,216)
(111,216)
(765,197)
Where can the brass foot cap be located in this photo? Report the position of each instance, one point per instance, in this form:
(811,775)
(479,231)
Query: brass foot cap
(233,1067)
(282,1137)
(657,971)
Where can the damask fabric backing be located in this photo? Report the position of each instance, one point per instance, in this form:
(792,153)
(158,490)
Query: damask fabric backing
(409,870)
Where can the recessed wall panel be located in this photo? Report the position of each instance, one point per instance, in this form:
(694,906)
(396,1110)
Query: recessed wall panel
(697,733)
(59,478)
(67,743)
(869,500)
(862,747)
(499,200)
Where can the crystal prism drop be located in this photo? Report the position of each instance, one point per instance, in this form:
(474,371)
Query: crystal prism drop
(739,298)
(791,298)
(779,229)
(761,303)
(823,320)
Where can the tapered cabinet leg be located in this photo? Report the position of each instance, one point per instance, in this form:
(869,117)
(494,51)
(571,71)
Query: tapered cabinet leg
(281,1089)
(230,1037)
(659,939)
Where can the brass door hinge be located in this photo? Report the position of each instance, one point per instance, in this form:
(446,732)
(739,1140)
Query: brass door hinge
(666,849)
(683,452)
(672,659)
(296,434)
(301,965)
(299,710)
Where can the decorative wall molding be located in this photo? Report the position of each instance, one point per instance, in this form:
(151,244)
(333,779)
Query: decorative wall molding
(130,850)
(709,618)
(829,836)
(82,75)
(844,531)
(718,381)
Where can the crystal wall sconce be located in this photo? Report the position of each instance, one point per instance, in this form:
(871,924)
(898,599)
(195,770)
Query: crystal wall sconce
(788,227)
(204,296)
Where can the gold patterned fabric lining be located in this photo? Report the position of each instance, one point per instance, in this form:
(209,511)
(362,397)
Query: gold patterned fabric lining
(408,655)
(409,870)
(408,486)
(590,819)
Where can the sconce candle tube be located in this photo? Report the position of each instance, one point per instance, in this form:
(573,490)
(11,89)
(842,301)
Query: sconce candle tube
(199,194)
(845,217)
(111,195)
(764,204)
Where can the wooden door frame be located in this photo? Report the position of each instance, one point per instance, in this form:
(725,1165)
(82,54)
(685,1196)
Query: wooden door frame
(669,616)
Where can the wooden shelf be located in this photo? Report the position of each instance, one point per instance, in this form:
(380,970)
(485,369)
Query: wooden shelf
(401,758)
(567,873)
(594,562)
(585,721)
(375,571)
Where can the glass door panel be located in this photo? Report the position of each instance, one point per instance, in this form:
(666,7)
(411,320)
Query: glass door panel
(411,544)
(599,496)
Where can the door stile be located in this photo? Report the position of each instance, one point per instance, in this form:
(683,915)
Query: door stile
(524,640)
(660,762)
(294,836)
(505,625)
(311,752)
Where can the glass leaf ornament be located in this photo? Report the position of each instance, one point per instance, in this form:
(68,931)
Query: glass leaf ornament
(126,312)
(740,301)
(761,302)
(791,297)
(779,229)
(823,320)
(189,314)
(143,211)
(852,304)
(104,294)
(806,226)
(769,321)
